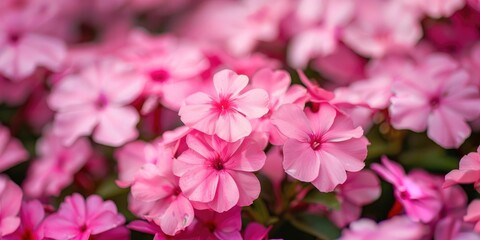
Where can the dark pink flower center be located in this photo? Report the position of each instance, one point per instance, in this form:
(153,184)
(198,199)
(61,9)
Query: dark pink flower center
(435,101)
(404,195)
(102,101)
(14,38)
(177,191)
(316,143)
(27,235)
(224,105)
(217,164)
(159,75)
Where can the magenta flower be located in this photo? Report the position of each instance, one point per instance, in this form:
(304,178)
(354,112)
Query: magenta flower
(421,202)
(96,100)
(31,222)
(218,173)
(397,228)
(78,218)
(11,150)
(227,113)
(443,101)
(322,146)
(473,214)
(54,169)
(223,226)
(468,172)
(12,194)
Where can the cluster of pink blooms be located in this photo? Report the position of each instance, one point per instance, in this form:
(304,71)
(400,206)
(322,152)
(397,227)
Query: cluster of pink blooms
(191,110)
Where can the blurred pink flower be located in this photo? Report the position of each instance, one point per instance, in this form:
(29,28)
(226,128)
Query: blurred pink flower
(322,146)
(397,228)
(473,214)
(468,172)
(256,231)
(222,226)
(218,173)
(421,202)
(441,103)
(11,150)
(31,222)
(227,113)
(96,100)
(56,165)
(12,194)
(80,219)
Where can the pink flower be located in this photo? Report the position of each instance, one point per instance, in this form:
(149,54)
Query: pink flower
(361,188)
(218,173)
(9,193)
(322,146)
(227,113)
(421,202)
(54,169)
(78,218)
(96,100)
(397,228)
(31,222)
(473,214)
(11,150)
(468,172)
(441,103)
(155,185)
(437,8)
(222,226)
(256,231)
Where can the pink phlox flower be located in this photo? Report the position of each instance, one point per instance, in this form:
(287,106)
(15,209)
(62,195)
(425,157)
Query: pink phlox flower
(222,226)
(10,202)
(316,93)
(256,231)
(96,101)
(226,113)
(56,165)
(397,228)
(219,174)
(420,201)
(453,227)
(473,214)
(11,150)
(79,218)
(360,188)
(321,146)
(31,222)
(441,103)
(468,171)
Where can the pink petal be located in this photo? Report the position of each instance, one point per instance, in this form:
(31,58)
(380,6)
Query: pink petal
(231,127)
(150,186)
(350,153)
(447,128)
(322,120)
(331,174)
(177,216)
(361,188)
(8,225)
(300,161)
(187,162)
(248,187)
(292,122)
(116,126)
(228,83)
(200,185)
(70,125)
(227,194)
(249,158)
(197,113)
(254,103)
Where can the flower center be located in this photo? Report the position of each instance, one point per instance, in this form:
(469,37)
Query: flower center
(435,101)
(315,143)
(13,38)
(159,75)
(102,101)
(404,195)
(223,105)
(27,235)
(217,164)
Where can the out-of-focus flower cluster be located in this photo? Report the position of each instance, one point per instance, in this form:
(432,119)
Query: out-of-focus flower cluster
(248,119)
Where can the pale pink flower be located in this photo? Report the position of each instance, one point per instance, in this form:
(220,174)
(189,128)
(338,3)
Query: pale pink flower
(157,186)
(56,165)
(31,222)
(361,188)
(436,8)
(218,173)
(79,218)
(382,27)
(468,171)
(397,228)
(473,214)
(10,201)
(96,100)
(321,146)
(222,226)
(441,103)
(277,84)
(454,228)
(11,150)
(315,92)
(420,201)
(226,113)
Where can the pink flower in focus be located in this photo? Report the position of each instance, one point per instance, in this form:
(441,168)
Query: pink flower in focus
(468,172)
(155,185)
(361,188)
(397,228)
(441,103)
(218,173)
(421,202)
(10,201)
(11,150)
(80,219)
(31,222)
(96,100)
(54,169)
(322,146)
(473,214)
(227,113)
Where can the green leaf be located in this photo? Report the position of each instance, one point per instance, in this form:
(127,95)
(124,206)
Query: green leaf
(315,225)
(327,199)
(431,159)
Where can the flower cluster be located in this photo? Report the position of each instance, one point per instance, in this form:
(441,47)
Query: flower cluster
(249,119)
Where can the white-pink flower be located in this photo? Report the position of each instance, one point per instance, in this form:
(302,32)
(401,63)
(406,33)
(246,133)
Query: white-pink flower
(95,101)
(321,146)
(11,150)
(218,174)
(397,228)
(227,112)
(473,214)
